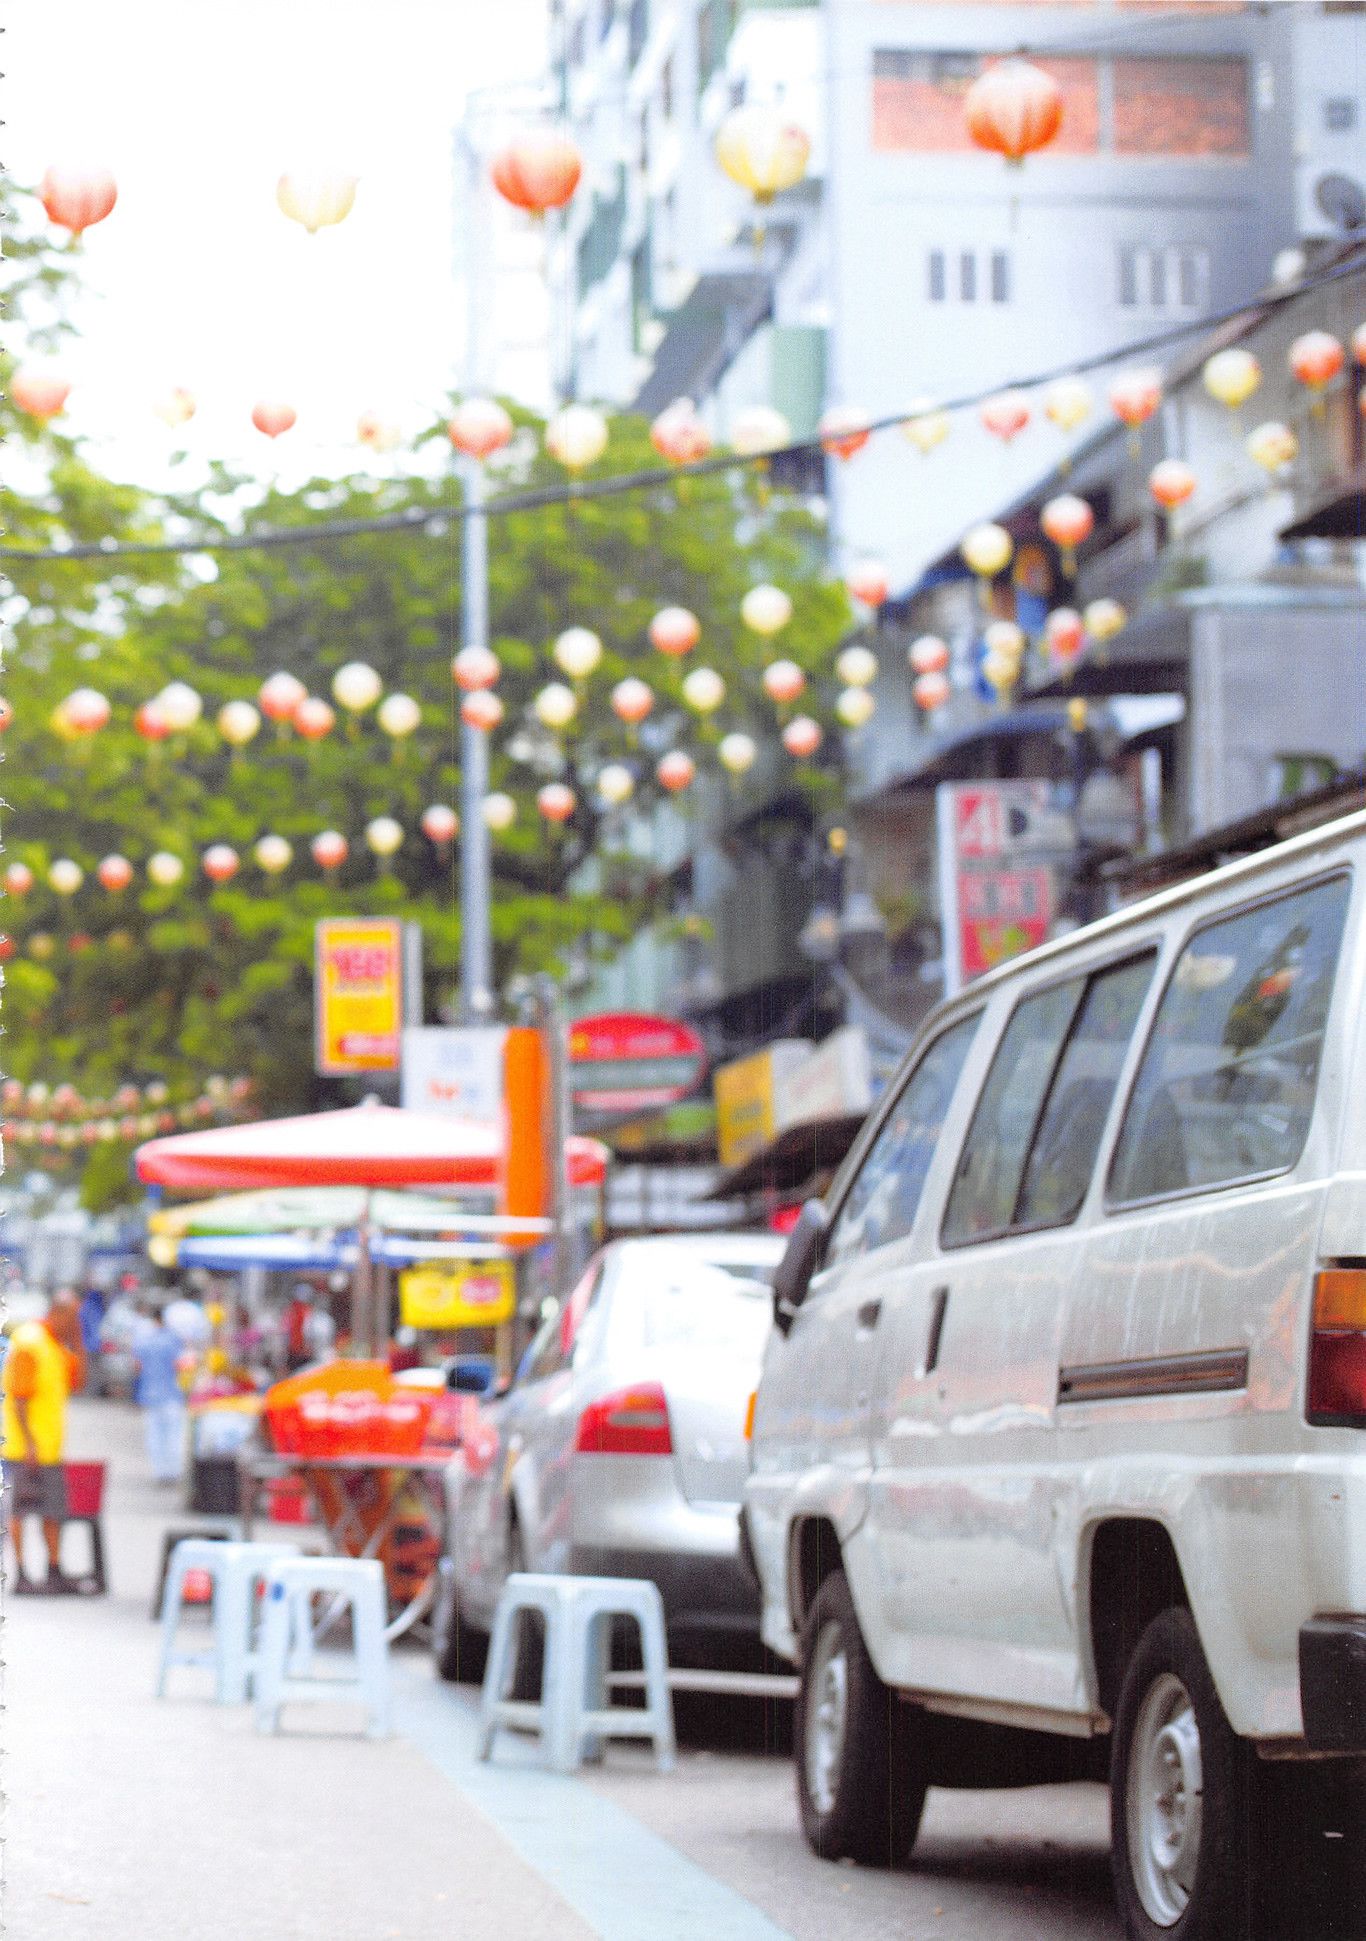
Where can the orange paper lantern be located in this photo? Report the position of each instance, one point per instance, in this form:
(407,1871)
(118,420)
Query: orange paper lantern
(1014,109)
(675,631)
(76,198)
(867,583)
(556,801)
(273,418)
(802,737)
(675,770)
(539,171)
(479,427)
(330,849)
(38,392)
(844,430)
(679,435)
(1171,482)
(314,718)
(1006,415)
(482,710)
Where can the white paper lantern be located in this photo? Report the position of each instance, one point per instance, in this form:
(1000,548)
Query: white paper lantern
(273,854)
(165,869)
(931,691)
(383,835)
(855,706)
(356,686)
(704,690)
(475,668)
(179,706)
(615,784)
(928,655)
(576,437)
(65,877)
(577,652)
(766,610)
(783,680)
(440,824)
(736,753)
(238,723)
(500,812)
(857,667)
(556,705)
(399,716)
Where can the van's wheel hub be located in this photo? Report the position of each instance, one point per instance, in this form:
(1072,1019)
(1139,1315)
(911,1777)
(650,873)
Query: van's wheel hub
(828,1717)
(1166,1799)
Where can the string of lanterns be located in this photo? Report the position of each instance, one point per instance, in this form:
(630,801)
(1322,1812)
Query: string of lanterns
(60,1117)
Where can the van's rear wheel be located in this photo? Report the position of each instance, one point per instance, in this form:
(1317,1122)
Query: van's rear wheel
(1181,1796)
(860,1771)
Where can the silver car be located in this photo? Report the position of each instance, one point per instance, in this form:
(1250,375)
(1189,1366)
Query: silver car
(620,1448)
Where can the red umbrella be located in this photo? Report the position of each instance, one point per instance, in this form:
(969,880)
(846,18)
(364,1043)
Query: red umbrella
(362,1145)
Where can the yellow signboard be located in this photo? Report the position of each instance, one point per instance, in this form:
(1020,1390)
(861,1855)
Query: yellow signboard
(458,1294)
(744,1107)
(358,994)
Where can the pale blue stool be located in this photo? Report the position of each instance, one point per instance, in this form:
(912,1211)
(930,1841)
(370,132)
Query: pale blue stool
(234,1569)
(283,1669)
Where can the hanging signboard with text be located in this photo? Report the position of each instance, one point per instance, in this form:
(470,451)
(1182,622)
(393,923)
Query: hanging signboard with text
(457,1294)
(626,1061)
(1000,845)
(455,1071)
(357,994)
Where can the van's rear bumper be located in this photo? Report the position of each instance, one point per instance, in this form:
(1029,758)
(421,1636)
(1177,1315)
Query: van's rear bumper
(1333,1682)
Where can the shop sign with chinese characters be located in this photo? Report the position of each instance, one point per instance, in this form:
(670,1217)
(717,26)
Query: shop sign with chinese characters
(1000,845)
(358,994)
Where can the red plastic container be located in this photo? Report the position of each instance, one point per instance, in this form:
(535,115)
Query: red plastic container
(84,1488)
(287,1500)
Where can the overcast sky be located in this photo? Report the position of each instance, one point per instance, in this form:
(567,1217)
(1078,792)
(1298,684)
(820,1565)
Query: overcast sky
(197,279)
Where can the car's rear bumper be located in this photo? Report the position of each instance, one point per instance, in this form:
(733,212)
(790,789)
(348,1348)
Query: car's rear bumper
(1333,1682)
(709,1602)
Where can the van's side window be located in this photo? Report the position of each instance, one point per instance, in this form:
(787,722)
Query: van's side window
(1226,1087)
(881,1204)
(1032,1145)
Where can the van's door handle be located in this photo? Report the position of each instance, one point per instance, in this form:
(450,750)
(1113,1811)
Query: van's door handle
(869,1314)
(939,1302)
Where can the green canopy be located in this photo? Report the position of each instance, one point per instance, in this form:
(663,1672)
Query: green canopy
(300,1209)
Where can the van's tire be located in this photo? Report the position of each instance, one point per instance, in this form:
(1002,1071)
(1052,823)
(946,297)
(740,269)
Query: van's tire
(861,1771)
(458,1650)
(1182,1797)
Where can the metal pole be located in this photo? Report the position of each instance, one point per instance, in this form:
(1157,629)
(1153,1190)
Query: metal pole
(476,956)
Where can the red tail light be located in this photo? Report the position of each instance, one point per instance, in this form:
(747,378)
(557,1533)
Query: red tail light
(1337,1348)
(629,1422)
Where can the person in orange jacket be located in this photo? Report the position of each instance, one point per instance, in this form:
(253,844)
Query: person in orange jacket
(45,1363)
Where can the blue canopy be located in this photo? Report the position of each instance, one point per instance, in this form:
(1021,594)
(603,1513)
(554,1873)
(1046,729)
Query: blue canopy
(229,1253)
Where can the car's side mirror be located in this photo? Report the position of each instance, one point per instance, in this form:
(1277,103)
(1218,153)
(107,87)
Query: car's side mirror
(471,1375)
(799,1263)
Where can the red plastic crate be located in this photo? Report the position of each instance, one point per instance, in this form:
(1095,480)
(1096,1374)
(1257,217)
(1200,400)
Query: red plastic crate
(84,1488)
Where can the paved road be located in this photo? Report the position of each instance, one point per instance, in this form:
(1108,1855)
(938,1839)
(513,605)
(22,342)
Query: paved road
(128,1818)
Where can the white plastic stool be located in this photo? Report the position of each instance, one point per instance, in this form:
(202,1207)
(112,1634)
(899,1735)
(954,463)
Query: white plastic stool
(286,1626)
(234,1569)
(573,1715)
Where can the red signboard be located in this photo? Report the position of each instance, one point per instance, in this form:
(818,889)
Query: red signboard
(999,846)
(627,1061)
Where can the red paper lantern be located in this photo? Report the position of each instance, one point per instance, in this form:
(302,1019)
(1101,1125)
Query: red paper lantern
(482,710)
(676,770)
(151,723)
(679,435)
(18,879)
(1135,396)
(1068,521)
(928,655)
(330,849)
(279,696)
(440,824)
(313,718)
(6,715)
(632,700)
(85,711)
(783,681)
(802,737)
(930,691)
(479,427)
(220,863)
(868,583)
(6,949)
(1006,415)
(474,668)
(115,872)
(675,631)
(39,393)
(77,198)
(556,802)
(1316,358)
(1171,482)
(1013,109)
(844,430)
(539,171)
(272,417)
(1064,634)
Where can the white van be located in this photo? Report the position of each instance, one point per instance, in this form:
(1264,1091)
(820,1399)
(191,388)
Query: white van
(1059,1439)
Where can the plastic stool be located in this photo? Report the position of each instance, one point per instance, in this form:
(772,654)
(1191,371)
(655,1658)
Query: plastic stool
(234,1569)
(573,1716)
(287,1629)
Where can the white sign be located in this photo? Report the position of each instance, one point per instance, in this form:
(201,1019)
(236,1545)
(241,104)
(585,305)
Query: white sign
(835,1082)
(457,1072)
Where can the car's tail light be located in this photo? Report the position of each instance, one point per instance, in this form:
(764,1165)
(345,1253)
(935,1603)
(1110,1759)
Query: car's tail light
(628,1422)
(1337,1348)
(749,1414)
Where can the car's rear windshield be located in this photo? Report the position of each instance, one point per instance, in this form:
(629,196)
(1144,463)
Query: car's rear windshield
(718,1305)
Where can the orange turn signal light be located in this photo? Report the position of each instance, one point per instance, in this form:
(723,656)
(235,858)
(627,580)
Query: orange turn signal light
(1340,1299)
(749,1414)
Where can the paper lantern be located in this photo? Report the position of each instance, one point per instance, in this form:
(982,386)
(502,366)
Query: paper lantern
(41,945)
(1316,359)
(1231,377)
(1068,521)
(1006,415)
(479,427)
(987,550)
(482,710)
(1171,482)
(556,802)
(220,862)
(1067,403)
(18,879)
(76,197)
(176,408)
(576,437)
(238,723)
(930,691)
(928,655)
(736,753)
(164,869)
(679,435)
(1064,634)
(1002,637)
(867,583)
(180,705)
(440,824)
(65,877)
(280,695)
(926,427)
(399,716)
(577,652)
(39,392)
(1000,672)
(383,835)
(676,770)
(783,681)
(316,198)
(844,430)
(85,711)
(1103,619)
(377,434)
(762,150)
(356,686)
(857,667)
(758,430)
(330,849)
(802,736)
(273,854)
(273,417)
(313,718)
(1359,344)
(1273,446)
(855,706)
(632,700)
(1135,396)
(474,668)
(704,690)
(115,873)
(150,722)
(766,610)
(615,784)
(538,171)
(500,812)
(6,715)
(1013,109)
(675,631)
(555,706)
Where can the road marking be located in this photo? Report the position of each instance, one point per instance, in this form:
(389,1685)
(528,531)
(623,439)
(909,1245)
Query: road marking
(613,1871)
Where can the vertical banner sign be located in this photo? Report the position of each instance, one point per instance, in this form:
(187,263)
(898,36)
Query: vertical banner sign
(999,843)
(357,995)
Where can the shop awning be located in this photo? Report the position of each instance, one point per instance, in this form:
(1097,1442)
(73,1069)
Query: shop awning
(284,1252)
(300,1209)
(795,1159)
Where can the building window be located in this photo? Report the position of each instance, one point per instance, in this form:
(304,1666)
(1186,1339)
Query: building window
(1000,276)
(938,281)
(1193,105)
(577,51)
(979,275)
(1173,278)
(666,89)
(637,30)
(1339,114)
(640,293)
(967,276)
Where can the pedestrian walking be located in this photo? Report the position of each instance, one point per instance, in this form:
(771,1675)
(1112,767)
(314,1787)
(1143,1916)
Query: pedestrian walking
(44,1365)
(157,1349)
